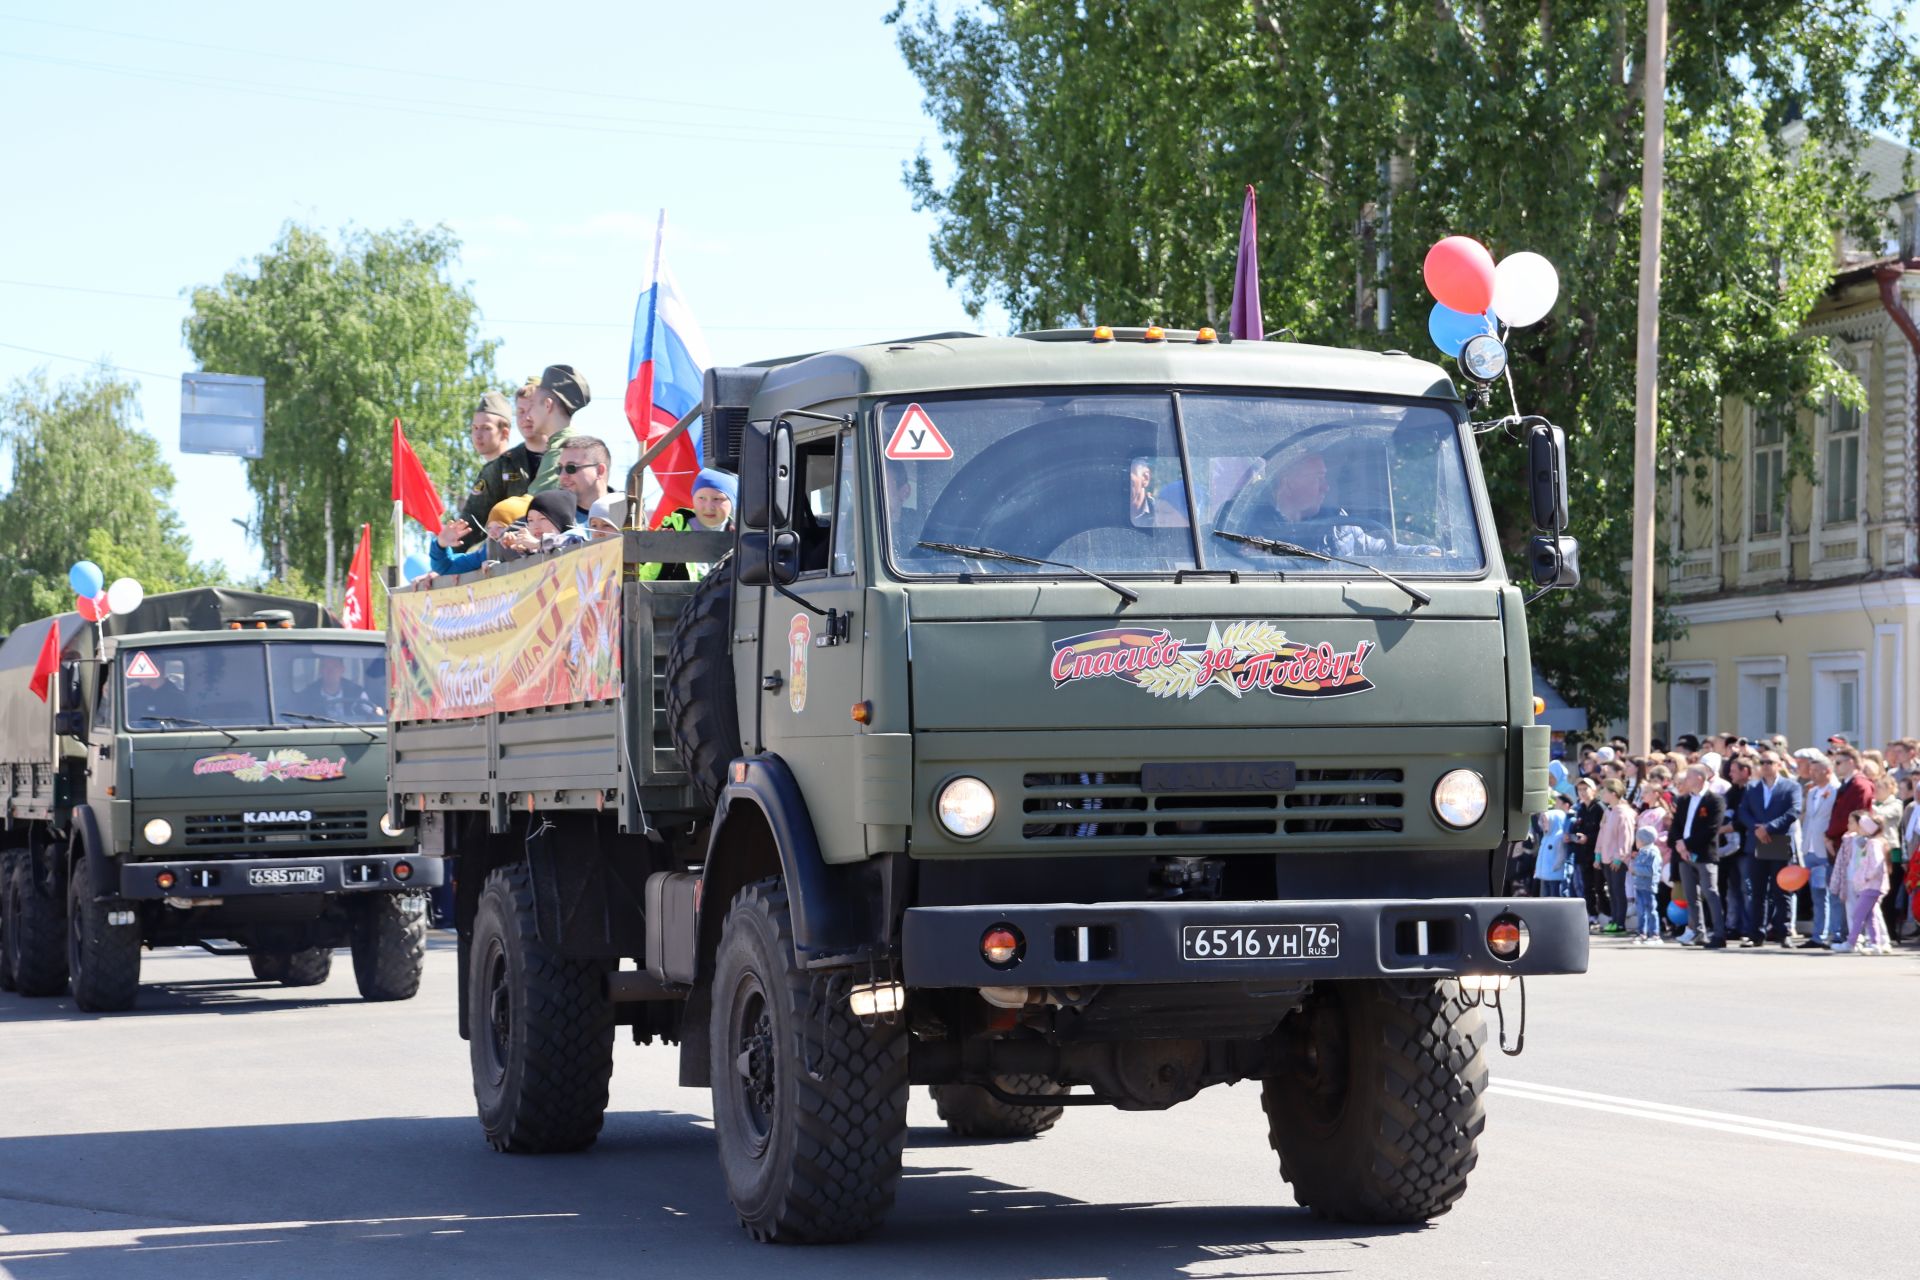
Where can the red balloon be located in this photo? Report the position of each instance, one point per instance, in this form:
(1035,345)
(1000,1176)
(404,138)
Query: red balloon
(1459,274)
(92,609)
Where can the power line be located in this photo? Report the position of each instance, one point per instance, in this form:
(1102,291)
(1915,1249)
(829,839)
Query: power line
(467,113)
(416,73)
(98,364)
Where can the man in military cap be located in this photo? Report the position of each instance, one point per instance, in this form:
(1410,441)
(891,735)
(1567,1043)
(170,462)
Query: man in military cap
(561,394)
(506,472)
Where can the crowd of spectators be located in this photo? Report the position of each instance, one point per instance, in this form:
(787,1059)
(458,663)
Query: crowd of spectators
(1726,839)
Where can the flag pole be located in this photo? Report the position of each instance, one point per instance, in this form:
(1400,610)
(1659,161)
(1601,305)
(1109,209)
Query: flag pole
(399,527)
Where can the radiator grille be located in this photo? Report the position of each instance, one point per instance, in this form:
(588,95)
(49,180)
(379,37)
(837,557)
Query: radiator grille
(233,831)
(1110,804)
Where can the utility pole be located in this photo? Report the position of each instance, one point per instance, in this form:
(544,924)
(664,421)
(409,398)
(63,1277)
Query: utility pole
(1647,383)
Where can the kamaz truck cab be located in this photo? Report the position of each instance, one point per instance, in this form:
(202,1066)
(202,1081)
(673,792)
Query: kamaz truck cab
(1082,717)
(210,769)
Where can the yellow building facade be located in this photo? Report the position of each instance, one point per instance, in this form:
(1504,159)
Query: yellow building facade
(1801,600)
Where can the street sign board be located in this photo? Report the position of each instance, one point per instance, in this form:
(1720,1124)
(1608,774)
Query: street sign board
(223,413)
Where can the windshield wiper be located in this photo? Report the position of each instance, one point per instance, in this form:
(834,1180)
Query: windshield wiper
(320,719)
(189,722)
(1278,547)
(994,553)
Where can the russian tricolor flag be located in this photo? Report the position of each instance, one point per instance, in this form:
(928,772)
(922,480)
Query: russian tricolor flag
(663,379)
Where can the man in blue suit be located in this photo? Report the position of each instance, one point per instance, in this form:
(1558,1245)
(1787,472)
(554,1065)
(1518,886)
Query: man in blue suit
(1771,810)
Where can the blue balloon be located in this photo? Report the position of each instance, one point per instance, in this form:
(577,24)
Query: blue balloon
(415,567)
(1450,329)
(86,579)
(1677,914)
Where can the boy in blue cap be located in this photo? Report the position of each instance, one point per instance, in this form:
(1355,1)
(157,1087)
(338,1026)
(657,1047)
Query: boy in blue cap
(713,496)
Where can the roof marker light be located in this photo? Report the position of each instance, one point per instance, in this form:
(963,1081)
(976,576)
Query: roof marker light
(1155,333)
(1206,334)
(1103,333)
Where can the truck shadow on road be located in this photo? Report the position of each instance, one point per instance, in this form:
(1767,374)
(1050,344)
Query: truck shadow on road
(206,995)
(286,1199)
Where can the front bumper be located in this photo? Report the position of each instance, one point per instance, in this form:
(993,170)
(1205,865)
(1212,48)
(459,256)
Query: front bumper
(369,871)
(1139,942)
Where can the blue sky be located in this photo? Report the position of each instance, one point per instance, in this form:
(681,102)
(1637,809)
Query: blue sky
(152,148)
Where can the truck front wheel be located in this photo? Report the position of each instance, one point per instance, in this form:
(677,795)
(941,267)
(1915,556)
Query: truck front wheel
(809,1106)
(541,1040)
(1378,1108)
(103,946)
(35,930)
(389,945)
(972,1112)
(307,967)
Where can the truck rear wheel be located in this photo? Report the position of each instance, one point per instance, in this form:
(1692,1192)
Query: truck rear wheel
(307,967)
(389,946)
(972,1112)
(1378,1111)
(702,706)
(541,1040)
(809,1106)
(103,947)
(35,930)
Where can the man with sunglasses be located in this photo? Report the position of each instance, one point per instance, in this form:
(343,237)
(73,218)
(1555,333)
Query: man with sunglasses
(583,466)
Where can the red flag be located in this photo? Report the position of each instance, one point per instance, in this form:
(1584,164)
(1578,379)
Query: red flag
(412,487)
(49,660)
(356,607)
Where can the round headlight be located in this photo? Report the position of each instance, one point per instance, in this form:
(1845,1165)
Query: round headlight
(966,806)
(1483,358)
(387,826)
(158,830)
(1460,798)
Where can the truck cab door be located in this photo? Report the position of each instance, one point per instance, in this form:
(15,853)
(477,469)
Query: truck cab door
(809,670)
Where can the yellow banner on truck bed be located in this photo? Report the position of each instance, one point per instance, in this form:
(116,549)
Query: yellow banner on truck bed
(535,637)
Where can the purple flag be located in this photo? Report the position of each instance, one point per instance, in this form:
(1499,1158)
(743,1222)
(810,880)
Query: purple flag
(1245,319)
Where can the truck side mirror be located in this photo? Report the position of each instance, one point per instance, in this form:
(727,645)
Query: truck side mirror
(768,558)
(766,475)
(1554,561)
(1547,477)
(71,724)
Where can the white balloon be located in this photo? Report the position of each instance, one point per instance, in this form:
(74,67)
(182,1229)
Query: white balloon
(125,595)
(1525,287)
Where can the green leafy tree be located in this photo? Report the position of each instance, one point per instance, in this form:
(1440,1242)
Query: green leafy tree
(87,484)
(348,336)
(1097,151)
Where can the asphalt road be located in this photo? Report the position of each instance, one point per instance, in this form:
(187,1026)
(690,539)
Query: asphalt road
(1700,1115)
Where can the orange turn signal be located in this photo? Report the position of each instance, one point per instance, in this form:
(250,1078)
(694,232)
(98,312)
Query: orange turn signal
(1506,938)
(403,871)
(1103,333)
(1207,334)
(1155,333)
(863,713)
(164,879)
(1001,946)
(1539,707)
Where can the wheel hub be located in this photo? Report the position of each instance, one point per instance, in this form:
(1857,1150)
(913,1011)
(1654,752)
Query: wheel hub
(499,1006)
(756,1077)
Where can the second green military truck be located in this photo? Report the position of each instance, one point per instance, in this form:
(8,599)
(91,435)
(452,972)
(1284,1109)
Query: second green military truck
(207,770)
(1075,718)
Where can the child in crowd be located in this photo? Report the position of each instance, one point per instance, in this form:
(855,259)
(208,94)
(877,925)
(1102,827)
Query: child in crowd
(1867,880)
(1550,863)
(1645,869)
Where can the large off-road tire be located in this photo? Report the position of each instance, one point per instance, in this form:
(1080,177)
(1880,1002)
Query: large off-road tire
(307,967)
(972,1112)
(389,945)
(541,1032)
(1378,1111)
(103,947)
(6,909)
(702,705)
(36,930)
(809,1106)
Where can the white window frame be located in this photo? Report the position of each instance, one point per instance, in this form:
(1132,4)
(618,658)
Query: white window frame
(1759,669)
(1685,557)
(1829,671)
(1858,359)
(1752,544)
(1688,676)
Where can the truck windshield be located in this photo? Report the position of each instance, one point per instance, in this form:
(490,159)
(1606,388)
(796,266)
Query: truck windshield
(1097,480)
(232,685)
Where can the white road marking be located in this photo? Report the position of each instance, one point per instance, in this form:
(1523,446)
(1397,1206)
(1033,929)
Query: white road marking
(49,1243)
(1720,1121)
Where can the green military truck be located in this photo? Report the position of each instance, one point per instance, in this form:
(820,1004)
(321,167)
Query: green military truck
(1075,718)
(208,769)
